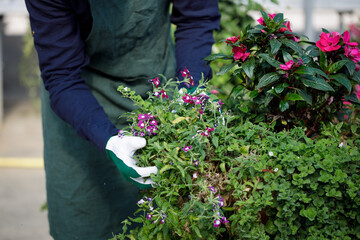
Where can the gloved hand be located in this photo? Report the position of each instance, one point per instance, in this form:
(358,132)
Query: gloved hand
(121,151)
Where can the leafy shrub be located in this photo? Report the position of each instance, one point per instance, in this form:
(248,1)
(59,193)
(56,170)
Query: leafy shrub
(223,177)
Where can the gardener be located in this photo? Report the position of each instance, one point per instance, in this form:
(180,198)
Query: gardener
(86,50)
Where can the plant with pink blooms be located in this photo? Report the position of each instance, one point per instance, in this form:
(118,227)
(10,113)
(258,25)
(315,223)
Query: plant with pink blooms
(285,80)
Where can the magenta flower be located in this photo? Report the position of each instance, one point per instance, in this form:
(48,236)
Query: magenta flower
(186,74)
(141,124)
(287,66)
(329,42)
(240,52)
(141,117)
(224,220)
(217,223)
(164,95)
(156,94)
(187,98)
(156,81)
(261,20)
(153,122)
(232,39)
(355,30)
(346,39)
(148,216)
(187,148)
(353,54)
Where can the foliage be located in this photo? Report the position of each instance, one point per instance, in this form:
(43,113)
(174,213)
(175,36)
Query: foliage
(234,17)
(223,177)
(286,81)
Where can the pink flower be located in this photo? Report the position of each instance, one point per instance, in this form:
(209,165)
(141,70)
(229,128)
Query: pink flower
(164,95)
(153,122)
(353,54)
(261,20)
(214,91)
(141,124)
(287,66)
(141,117)
(329,42)
(354,30)
(156,82)
(346,39)
(240,52)
(187,98)
(288,28)
(187,148)
(232,39)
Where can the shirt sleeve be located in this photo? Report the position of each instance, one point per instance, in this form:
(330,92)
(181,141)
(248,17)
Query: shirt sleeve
(195,21)
(60,48)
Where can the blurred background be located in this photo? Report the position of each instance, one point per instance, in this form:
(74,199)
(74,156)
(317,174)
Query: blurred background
(22,178)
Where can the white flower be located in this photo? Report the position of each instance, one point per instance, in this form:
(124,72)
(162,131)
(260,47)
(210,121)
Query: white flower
(141,201)
(125,88)
(341,144)
(195,175)
(271,154)
(276,169)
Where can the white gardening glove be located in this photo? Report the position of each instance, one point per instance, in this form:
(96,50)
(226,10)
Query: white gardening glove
(121,151)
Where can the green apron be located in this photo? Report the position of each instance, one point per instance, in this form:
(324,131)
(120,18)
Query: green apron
(129,44)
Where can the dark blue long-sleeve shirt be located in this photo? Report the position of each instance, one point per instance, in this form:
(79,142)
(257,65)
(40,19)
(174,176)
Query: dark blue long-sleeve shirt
(60,28)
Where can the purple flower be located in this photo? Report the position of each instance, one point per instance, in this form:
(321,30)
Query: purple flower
(141,202)
(142,134)
(196,162)
(221,201)
(141,124)
(212,189)
(121,133)
(149,129)
(217,223)
(187,148)
(148,216)
(162,221)
(224,220)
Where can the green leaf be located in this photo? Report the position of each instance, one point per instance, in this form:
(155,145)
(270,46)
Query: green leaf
(224,69)
(293,45)
(267,79)
(317,83)
(284,105)
(249,67)
(266,18)
(323,61)
(270,60)
(177,120)
(351,67)
(343,80)
(337,66)
(217,56)
(268,98)
(275,45)
(279,17)
(309,213)
(215,141)
(279,89)
(244,150)
(165,168)
(287,57)
(305,96)
(254,94)
(311,71)
(356,77)
(293,97)
(222,167)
